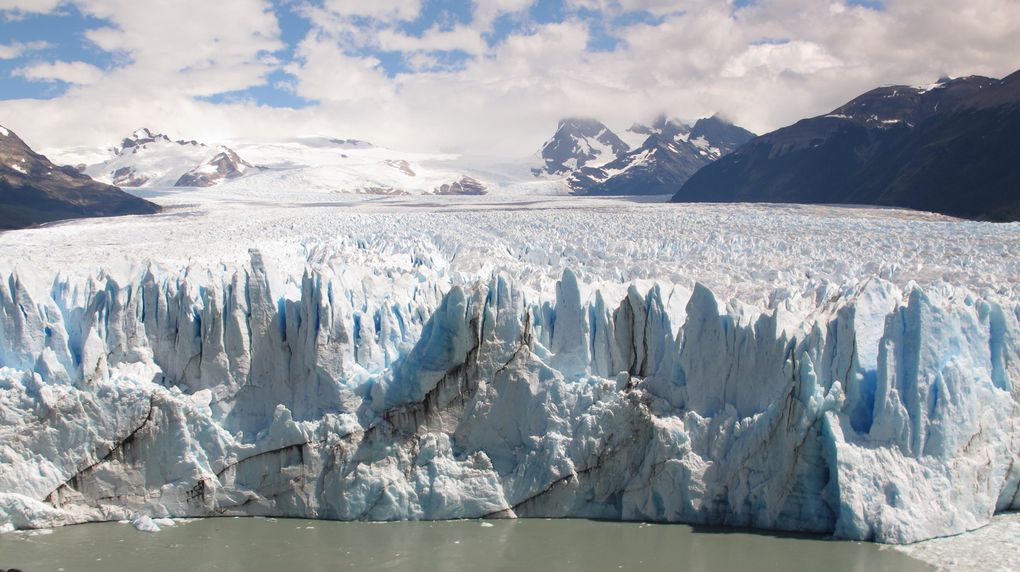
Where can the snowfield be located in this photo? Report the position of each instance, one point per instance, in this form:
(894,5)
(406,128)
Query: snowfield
(836,370)
(320,165)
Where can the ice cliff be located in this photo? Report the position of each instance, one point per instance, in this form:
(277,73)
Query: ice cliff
(868,411)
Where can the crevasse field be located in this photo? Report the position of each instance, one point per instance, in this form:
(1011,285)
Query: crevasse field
(844,371)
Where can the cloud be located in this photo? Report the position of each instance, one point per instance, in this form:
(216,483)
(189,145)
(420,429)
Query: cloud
(373,74)
(486,11)
(654,7)
(325,72)
(378,9)
(29,6)
(164,54)
(189,38)
(78,73)
(163,50)
(17,49)
(773,59)
(459,38)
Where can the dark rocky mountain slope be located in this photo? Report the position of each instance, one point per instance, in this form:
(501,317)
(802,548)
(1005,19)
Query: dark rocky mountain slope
(952,148)
(33,190)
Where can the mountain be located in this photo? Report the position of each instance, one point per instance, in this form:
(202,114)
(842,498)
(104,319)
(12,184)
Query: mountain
(952,147)
(33,190)
(717,136)
(148,159)
(579,142)
(225,165)
(465,186)
(671,153)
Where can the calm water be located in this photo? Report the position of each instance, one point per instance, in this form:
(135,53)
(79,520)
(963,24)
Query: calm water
(258,544)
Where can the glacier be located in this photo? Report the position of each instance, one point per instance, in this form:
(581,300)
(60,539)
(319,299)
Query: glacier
(430,380)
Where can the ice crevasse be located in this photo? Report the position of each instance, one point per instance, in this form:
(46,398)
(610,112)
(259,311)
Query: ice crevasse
(877,413)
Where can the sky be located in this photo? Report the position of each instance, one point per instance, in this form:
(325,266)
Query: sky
(467,76)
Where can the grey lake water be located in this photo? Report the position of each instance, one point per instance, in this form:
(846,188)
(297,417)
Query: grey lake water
(263,545)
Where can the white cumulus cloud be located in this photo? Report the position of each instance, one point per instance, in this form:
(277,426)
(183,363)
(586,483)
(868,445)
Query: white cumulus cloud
(17,49)
(78,73)
(763,65)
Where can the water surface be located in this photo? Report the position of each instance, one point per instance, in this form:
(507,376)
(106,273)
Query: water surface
(263,545)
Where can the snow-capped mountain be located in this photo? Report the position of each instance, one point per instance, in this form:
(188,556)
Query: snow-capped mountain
(950,147)
(582,157)
(148,159)
(715,136)
(327,165)
(351,143)
(465,186)
(225,165)
(143,137)
(579,142)
(33,190)
(671,152)
(308,164)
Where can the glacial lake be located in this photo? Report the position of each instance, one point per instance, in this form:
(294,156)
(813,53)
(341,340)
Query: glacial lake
(296,545)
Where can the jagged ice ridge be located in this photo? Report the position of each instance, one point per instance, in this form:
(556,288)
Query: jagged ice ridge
(372,388)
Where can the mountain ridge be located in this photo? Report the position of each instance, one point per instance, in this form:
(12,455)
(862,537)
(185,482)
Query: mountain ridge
(34,191)
(577,142)
(671,152)
(147,158)
(950,148)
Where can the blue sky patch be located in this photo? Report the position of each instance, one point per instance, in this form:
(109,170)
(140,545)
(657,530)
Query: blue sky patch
(64,33)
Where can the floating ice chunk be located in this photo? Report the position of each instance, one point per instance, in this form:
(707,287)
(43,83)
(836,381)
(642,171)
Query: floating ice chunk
(144,523)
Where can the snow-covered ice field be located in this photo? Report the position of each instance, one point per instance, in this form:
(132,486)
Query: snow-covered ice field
(838,370)
(742,251)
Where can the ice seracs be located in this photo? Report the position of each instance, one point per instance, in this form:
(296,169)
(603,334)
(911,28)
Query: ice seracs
(395,373)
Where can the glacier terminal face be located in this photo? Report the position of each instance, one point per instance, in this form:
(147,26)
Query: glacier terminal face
(840,371)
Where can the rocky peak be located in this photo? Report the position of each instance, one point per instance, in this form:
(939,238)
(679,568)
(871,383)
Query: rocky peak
(465,186)
(663,124)
(894,105)
(140,138)
(226,164)
(351,143)
(671,152)
(720,134)
(577,142)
